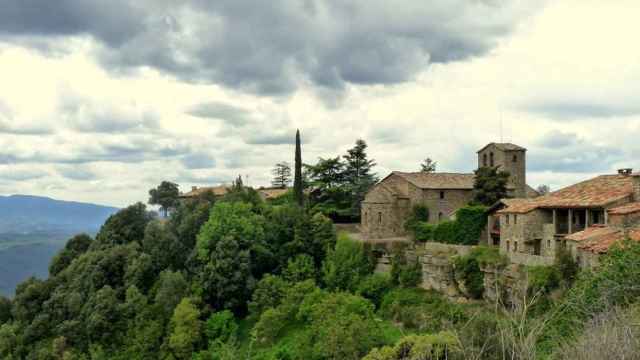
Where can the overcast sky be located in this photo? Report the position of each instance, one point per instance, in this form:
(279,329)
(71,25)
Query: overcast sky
(101,100)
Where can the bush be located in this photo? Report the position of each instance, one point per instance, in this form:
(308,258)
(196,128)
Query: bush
(470,221)
(403,272)
(418,309)
(567,267)
(419,214)
(423,232)
(269,292)
(543,279)
(300,268)
(443,345)
(346,265)
(374,287)
(221,326)
(445,232)
(469,271)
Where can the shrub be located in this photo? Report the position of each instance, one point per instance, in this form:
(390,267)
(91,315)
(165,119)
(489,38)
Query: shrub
(543,279)
(221,326)
(269,292)
(566,265)
(423,232)
(469,271)
(470,221)
(410,274)
(374,287)
(346,265)
(443,345)
(419,214)
(419,309)
(300,268)
(270,325)
(445,232)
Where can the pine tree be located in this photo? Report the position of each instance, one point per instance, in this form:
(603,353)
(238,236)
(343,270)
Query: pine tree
(297,184)
(428,166)
(358,174)
(281,175)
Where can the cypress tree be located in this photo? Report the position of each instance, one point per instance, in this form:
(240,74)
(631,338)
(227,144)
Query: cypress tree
(297,182)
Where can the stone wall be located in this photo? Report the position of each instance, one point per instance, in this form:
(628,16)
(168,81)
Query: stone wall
(441,209)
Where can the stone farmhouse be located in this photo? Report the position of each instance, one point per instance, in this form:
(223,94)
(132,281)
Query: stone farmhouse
(389,203)
(585,218)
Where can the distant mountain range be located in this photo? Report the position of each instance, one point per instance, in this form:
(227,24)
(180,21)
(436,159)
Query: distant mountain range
(33,229)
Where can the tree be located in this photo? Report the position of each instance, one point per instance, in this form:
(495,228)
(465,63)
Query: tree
(281,175)
(5,310)
(346,265)
(358,175)
(428,166)
(186,329)
(125,226)
(298,190)
(543,189)
(165,195)
(490,185)
(76,246)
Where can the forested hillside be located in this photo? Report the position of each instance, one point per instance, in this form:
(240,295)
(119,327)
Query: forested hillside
(240,279)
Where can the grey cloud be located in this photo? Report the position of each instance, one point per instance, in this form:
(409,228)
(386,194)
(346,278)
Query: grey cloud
(199,161)
(84,115)
(22,175)
(558,139)
(271,139)
(8,124)
(112,22)
(76,173)
(579,109)
(274,47)
(230,114)
(581,158)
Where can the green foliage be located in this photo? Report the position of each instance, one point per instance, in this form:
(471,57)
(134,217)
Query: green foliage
(443,345)
(171,289)
(77,245)
(268,293)
(446,232)
(470,221)
(374,287)
(5,310)
(221,326)
(423,232)
(469,271)
(566,266)
(421,310)
(543,278)
(613,284)
(468,268)
(490,185)
(281,175)
(298,190)
(166,195)
(419,215)
(300,268)
(185,329)
(340,184)
(346,265)
(404,273)
(124,227)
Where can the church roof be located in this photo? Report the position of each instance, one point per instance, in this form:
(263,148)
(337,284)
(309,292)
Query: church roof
(504,147)
(444,181)
(597,192)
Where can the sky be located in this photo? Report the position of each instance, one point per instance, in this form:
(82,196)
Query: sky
(101,101)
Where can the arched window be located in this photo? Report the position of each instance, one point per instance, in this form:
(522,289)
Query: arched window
(484,160)
(491,159)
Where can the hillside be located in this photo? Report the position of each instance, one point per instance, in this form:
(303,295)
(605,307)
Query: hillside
(33,229)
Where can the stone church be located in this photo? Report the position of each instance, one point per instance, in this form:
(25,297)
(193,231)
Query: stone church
(389,203)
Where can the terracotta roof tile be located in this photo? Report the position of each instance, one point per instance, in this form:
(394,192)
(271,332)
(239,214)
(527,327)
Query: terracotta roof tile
(625,209)
(439,180)
(598,239)
(272,193)
(596,192)
(504,147)
(220,190)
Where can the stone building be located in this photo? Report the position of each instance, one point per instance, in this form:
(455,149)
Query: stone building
(585,218)
(389,203)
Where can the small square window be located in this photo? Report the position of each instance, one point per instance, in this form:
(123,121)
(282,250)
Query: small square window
(441,194)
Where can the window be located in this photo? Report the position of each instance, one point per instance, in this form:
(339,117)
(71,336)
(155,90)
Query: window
(484,160)
(440,216)
(507,219)
(441,194)
(508,247)
(549,244)
(366,214)
(515,158)
(515,246)
(491,159)
(515,218)
(379,218)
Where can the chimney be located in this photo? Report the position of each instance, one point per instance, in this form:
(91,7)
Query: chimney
(635,180)
(625,172)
